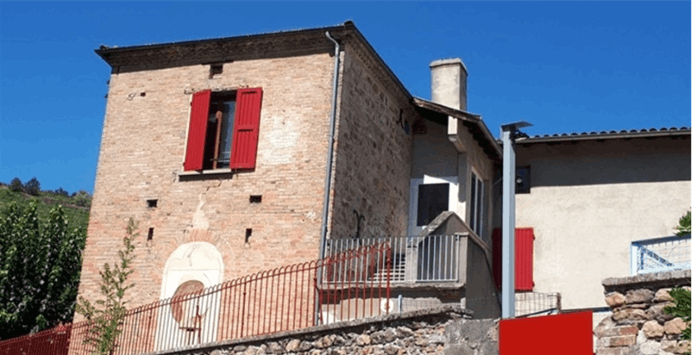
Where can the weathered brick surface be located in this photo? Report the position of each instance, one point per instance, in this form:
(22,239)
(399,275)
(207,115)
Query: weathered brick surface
(373,152)
(142,152)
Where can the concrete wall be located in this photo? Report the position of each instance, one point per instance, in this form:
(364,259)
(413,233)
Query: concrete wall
(590,199)
(372,151)
(142,152)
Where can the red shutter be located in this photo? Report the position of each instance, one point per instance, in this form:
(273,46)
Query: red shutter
(197,131)
(523,246)
(246,128)
(523,258)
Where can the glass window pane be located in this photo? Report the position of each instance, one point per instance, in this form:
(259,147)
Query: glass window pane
(472,204)
(433,199)
(226,138)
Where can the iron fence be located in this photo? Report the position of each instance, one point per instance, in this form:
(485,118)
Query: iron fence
(53,341)
(527,304)
(432,258)
(660,254)
(337,288)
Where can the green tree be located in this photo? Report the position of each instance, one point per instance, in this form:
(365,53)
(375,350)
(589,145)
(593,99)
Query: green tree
(40,265)
(33,187)
(683,297)
(16,185)
(106,316)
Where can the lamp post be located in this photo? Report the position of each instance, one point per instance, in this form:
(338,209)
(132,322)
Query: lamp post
(509,134)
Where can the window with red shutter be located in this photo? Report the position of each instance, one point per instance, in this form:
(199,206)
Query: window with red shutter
(523,258)
(223,131)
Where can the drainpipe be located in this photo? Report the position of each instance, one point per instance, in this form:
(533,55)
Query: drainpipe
(328,173)
(332,124)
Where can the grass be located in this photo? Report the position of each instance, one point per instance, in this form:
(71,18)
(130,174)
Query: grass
(77,216)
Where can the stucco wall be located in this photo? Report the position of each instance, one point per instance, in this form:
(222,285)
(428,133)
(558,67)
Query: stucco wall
(372,151)
(142,152)
(590,199)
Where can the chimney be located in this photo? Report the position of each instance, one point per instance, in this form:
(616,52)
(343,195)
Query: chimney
(448,82)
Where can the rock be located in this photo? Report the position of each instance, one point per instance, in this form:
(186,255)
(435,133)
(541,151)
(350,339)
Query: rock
(674,326)
(293,345)
(421,342)
(378,337)
(404,332)
(275,348)
(390,335)
(363,339)
(239,348)
(656,312)
(615,299)
(324,342)
(305,346)
(662,295)
(629,314)
(338,340)
(668,345)
(216,352)
(391,349)
(652,329)
(650,347)
(641,295)
(683,347)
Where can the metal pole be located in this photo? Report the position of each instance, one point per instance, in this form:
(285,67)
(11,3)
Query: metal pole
(508,181)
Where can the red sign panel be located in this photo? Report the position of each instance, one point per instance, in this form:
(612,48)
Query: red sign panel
(566,334)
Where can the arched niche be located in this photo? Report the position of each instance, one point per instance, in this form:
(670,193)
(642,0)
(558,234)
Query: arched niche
(196,261)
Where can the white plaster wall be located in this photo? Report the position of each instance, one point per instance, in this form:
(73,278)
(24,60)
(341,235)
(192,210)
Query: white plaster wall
(589,200)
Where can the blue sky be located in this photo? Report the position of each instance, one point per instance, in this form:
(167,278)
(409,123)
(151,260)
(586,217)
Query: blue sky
(564,66)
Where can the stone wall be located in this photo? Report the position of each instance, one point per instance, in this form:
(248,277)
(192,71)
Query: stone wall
(638,324)
(445,330)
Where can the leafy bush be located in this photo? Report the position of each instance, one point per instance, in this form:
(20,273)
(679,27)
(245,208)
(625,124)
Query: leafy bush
(683,227)
(16,185)
(40,264)
(60,191)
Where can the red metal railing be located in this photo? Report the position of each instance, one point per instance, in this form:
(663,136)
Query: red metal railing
(353,284)
(54,341)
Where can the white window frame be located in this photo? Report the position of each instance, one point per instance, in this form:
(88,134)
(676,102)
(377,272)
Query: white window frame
(453,182)
(477,206)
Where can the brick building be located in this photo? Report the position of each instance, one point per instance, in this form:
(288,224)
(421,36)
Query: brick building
(219,149)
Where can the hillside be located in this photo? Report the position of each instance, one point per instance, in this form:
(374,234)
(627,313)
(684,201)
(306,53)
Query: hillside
(78,215)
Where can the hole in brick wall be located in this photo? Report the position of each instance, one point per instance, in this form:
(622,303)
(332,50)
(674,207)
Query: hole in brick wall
(152,203)
(248,234)
(142,94)
(150,235)
(215,69)
(255,198)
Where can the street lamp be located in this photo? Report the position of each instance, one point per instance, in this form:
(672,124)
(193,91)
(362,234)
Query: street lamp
(510,132)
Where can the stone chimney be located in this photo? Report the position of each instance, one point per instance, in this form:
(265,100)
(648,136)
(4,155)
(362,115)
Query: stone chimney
(448,82)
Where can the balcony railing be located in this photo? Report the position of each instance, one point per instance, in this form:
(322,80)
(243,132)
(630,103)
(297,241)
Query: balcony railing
(416,259)
(660,254)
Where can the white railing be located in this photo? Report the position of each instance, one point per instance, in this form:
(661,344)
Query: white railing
(432,258)
(660,254)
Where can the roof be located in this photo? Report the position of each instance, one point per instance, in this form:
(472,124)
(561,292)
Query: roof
(473,122)
(622,134)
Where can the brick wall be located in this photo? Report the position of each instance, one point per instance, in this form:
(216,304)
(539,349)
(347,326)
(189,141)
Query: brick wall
(372,152)
(142,152)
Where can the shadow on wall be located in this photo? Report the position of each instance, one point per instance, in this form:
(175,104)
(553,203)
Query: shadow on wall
(607,161)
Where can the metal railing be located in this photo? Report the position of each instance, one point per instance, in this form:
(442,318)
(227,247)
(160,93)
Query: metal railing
(338,288)
(528,304)
(432,258)
(660,254)
(54,341)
